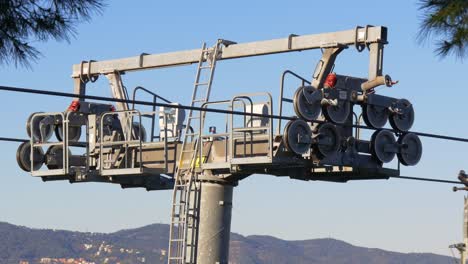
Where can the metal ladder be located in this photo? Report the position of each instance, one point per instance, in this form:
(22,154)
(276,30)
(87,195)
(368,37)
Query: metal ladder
(183,231)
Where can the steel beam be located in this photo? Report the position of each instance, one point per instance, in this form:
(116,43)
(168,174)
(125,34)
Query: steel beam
(358,36)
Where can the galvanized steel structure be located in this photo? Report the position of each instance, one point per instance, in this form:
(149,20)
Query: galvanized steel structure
(202,165)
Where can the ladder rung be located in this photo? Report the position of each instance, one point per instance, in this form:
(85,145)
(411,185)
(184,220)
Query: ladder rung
(205,67)
(194,117)
(177,240)
(201,83)
(199,100)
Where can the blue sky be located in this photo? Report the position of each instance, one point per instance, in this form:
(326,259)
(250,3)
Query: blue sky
(395,214)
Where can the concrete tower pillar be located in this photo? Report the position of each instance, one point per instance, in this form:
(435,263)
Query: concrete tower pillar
(214,222)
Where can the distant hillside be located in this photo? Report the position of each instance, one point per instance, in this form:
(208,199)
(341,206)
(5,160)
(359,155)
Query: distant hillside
(148,244)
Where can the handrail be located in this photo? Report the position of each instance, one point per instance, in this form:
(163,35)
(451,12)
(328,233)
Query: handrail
(64,142)
(150,92)
(129,114)
(153,117)
(235,98)
(202,124)
(270,123)
(283,99)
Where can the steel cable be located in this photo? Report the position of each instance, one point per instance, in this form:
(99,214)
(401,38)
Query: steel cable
(213,110)
(426,179)
(8,139)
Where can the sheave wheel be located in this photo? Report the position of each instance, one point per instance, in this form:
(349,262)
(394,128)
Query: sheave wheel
(304,109)
(411,150)
(375,116)
(381,141)
(23,157)
(328,140)
(403,119)
(297,136)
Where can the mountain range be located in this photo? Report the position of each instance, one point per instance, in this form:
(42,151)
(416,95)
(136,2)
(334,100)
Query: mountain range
(148,245)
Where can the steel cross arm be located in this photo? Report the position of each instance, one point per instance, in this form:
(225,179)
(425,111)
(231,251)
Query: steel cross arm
(358,36)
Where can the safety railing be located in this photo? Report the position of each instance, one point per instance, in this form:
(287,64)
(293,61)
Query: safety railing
(215,137)
(119,157)
(285,99)
(165,141)
(152,115)
(60,123)
(36,143)
(250,133)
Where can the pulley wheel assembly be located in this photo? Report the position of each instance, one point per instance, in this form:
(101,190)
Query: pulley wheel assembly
(402,118)
(411,149)
(374,116)
(74,133)
(23,157)
(338,113)
(42,130)
(54,158)
(307,109)
(297,136)
(383,146)
(327,141)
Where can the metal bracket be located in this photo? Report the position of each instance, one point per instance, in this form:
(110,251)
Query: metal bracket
(290,37)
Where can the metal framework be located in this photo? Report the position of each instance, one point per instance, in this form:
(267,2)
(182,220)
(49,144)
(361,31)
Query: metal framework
(202,165)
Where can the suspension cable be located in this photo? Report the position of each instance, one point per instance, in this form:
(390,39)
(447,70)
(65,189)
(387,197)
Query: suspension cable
(213,110)
(426,179)
(8,139)
(13,139)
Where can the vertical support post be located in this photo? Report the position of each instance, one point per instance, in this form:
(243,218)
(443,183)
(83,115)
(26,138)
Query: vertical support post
(118,92)
(214,223)
(79,88)
(465,232)
(461,247)
(375,60)
(117,89)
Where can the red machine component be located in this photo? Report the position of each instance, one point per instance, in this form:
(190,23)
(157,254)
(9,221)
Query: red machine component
(330,81)
(74,106)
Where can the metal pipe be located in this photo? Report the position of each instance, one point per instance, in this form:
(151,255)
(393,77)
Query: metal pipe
(281,96)
(377,81)
(108,99)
